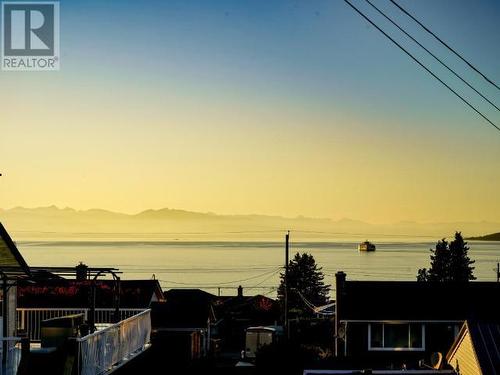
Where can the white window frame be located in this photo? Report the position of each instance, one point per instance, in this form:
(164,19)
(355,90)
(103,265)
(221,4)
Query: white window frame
(397,349)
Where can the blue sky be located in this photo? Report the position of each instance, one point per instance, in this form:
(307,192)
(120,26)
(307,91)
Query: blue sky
(308,51)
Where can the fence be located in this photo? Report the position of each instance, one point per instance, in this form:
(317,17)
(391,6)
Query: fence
(29,319)
(106,349)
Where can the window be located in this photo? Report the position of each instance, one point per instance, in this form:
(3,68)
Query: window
(396,336)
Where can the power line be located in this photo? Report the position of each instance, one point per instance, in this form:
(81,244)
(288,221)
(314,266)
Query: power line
(268,293)
(266,279)
(432,54)
(422,65)
(208,286)
(321,310)
(274,271)
(445,44)
(196,270)
(223,285)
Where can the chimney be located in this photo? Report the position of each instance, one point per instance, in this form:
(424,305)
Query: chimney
(240,291)
(340,278)
(81,272)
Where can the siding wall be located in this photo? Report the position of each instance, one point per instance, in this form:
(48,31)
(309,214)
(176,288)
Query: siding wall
(464,359)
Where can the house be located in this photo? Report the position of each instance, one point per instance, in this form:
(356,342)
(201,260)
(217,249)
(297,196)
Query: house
(185,308)
(237,313)
(397,324)
(67,338)
(57,292)
(49,295)
(476,350)
(201,322)
(182,325)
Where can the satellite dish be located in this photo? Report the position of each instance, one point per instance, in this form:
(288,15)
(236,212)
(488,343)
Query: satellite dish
(436,360)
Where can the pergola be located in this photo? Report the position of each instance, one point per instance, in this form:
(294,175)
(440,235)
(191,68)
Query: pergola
(91,274)
(14,269)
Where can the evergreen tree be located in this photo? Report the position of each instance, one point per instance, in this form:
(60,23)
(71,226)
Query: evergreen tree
(304,278)
(423,274)
(449,262)
(461,269)
(440,261)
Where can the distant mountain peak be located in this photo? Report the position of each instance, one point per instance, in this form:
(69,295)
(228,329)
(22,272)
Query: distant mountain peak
(346,220)
(172,213)
(171,223)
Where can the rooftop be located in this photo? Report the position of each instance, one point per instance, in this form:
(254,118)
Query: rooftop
(485,337)
(407,300)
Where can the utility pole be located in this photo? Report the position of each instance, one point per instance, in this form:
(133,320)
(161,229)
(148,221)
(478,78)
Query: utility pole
(287,246)
(498,272)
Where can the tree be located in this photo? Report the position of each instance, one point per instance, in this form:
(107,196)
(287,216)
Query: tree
(305,279)
(449,262)
(440,261)
(460,264)
(423,274)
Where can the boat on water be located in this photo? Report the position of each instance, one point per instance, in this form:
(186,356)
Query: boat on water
(366,246)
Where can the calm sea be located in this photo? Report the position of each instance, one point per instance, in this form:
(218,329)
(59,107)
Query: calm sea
(222,266)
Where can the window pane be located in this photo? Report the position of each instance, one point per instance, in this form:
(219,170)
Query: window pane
(416,336)
(376,335)
(395,335)
(251,341)
(266,338)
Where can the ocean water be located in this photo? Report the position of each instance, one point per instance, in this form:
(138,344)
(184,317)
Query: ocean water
(220,267)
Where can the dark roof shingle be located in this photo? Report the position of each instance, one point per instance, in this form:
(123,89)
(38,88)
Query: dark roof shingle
(406,300)
(485,337)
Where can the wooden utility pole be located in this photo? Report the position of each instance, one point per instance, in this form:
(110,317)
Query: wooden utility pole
(287,245)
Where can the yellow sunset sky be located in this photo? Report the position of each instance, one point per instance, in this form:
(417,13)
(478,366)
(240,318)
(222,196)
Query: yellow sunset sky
(239,119)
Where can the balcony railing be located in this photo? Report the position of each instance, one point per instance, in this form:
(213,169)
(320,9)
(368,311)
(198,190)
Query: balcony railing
(103,351)
(29,319)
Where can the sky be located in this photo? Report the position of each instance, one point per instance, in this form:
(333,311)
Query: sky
(268,107)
